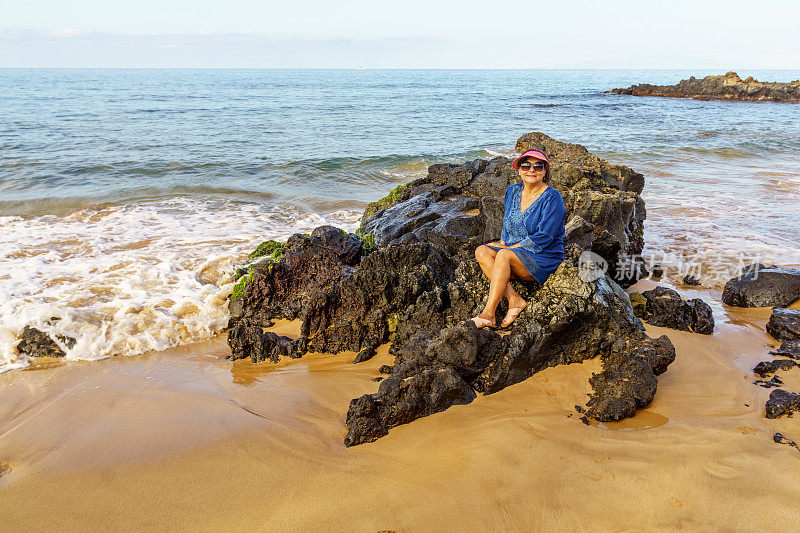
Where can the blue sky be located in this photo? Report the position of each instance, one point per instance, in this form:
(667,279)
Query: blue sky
(729,34)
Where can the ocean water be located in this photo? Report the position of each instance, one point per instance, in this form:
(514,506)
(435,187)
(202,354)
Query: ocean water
(126,196)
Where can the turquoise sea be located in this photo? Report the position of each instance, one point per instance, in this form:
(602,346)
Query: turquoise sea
(127,195)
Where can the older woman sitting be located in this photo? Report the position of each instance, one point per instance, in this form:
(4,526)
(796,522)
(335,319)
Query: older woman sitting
(532,241)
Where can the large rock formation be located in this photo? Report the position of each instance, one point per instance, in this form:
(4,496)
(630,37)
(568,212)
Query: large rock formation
(569,320)
(725,87)
(781,403)
(664,307)
(420,285)
(784,324)
(762,286)
(789,348)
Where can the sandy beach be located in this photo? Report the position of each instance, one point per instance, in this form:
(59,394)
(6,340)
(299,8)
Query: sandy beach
(186,440)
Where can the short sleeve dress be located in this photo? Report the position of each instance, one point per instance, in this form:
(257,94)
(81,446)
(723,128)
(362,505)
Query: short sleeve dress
(539,229)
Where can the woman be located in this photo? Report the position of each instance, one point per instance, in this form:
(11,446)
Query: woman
(532,241)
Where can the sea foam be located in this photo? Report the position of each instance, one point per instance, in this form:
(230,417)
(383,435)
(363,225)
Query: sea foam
(131,278)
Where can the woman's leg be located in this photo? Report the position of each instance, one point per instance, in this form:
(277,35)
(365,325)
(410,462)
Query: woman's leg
(486,257)
(500,266)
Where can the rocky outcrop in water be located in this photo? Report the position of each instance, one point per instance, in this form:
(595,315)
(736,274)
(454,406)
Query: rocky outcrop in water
(248,339)
(788,348)
(419,286)
(762,286)
(782,403)
(664,307)
(784,324)
(728,86)
(770,367)
(37,343)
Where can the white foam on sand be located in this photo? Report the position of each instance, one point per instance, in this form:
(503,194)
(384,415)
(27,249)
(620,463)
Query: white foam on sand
(126,279)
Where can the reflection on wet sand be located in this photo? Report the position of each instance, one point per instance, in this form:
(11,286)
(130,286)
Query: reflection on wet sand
(44,363)
(644,419)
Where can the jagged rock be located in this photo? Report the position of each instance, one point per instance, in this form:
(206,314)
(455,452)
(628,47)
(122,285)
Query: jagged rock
(365,355)
(774,382)
(400,401)
(37,343)
(248,339)
(728,86)
(628,381)
(664,307)
(437,216)
(762,286)
(342,307)
(638,303)
(421,285)
(690,280)
(790,348)
(781,403)
(784,324)
(569,320)
(311,264)
(770,367)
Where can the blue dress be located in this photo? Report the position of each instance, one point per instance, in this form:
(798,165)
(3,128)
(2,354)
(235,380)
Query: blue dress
(540,230)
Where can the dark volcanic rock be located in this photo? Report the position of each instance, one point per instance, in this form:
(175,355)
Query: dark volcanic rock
(310,265)
(790,348)
(658,271)
(365,355)
(420,286)
(37,343)
(784,324)
(761,286)
(726,87)
(781,403)
(774,382)
(569,320)
(770,367)
(664,307)
(342,307)
(248,339)
(400,401)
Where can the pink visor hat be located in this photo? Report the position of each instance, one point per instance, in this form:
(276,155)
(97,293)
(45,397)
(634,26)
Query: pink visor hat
(530,153)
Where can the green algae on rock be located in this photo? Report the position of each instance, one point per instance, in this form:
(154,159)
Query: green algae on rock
(272,249)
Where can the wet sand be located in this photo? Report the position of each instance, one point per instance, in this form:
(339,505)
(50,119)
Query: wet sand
(185,439)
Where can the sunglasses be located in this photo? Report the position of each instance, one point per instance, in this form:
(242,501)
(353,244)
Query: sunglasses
(527,165)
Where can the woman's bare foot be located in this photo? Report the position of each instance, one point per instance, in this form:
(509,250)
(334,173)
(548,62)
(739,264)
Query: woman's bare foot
(513,313)
(481,322)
